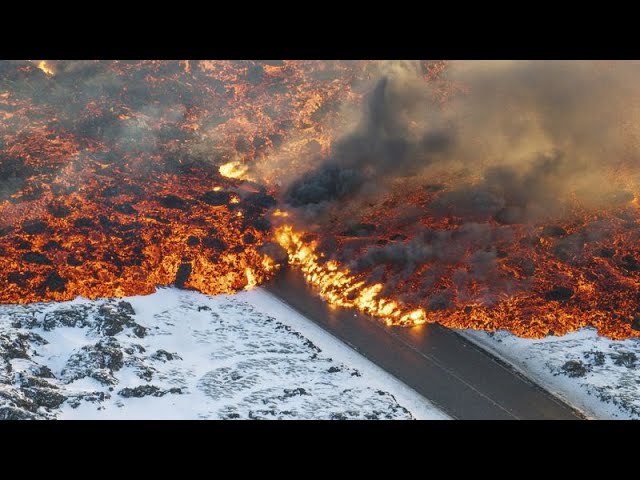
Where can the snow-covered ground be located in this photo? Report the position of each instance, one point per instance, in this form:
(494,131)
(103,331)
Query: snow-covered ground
(600,377)
(181,354)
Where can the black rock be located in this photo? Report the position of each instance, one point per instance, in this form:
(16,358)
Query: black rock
(360,230)
(83,223)
(399,237)
(43,397)
(574,368)
(36,258)
(183,274)
(13,413)
(140,331)
(58,210)
(604,252)
(97,361)
(126,308)
(255,74)
(146,390)
(625,359)
(34,228)
(249,239)
(559,294)
(193,241)
(71,317)
(125,208)
(172,201)
(55,283)
(553,231)
(214,243)
(19,278)
(164,356)
(262,224)
(630,263)
(216,198)
(635,324)
(440,301)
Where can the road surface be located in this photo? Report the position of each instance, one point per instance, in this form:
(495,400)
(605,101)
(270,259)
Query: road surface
(454,374)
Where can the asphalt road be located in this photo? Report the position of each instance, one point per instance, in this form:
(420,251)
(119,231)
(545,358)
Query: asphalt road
(455,375)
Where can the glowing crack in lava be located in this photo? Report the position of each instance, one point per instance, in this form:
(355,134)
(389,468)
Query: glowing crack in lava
(477,195)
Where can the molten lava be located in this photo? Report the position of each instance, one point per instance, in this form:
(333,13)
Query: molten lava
(339,287)
(46,68)
(117,177)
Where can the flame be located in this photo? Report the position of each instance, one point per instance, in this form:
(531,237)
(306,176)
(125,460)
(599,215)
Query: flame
(251,279)
(234,170)
(341,288)
(47,68)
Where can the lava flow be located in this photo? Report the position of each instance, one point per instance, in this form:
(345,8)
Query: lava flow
(478,195)
(339,287)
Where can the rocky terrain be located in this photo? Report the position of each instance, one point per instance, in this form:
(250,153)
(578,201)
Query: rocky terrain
(180,354)
(599,376)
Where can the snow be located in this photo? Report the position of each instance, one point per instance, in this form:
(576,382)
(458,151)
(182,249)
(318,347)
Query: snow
(598,376)
(241,356)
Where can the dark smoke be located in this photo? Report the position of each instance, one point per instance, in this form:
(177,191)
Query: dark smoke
(524,136)
(379,148)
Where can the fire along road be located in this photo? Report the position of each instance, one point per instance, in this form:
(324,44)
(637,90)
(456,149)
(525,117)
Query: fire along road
(458,377)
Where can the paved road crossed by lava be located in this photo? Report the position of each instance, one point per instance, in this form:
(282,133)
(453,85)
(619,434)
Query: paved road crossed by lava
(455,375)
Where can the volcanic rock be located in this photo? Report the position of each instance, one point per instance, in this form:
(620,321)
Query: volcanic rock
(44,397)
(183,274)
(262,224)
(360,230)
(216,198)
(604,252)
(635,324)
(58,210)
(164,356)
(125,208)
(72,317)
(260,201)
(193,241)
(553,231)
(83,223)
(97,361)
(113,319)
(630,263)
(37,258)
(574,368)
(559,294)
(19,278)
(13,413)
(146,390)
(35,227)
(172,201)
(626,359)
(440,301)
(55,283)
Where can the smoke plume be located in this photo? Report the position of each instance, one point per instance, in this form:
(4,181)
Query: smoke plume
(522,140)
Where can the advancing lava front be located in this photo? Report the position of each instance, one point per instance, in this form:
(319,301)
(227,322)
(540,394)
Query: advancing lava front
(479,195)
